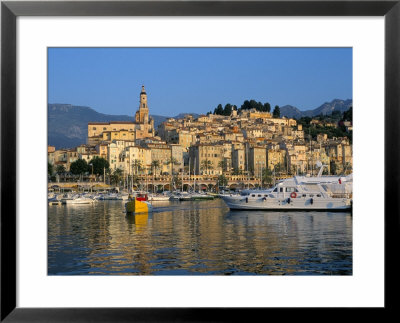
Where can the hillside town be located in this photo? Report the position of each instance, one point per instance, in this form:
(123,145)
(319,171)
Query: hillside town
(246,147)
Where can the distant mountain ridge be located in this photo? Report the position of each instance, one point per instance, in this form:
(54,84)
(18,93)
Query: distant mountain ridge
(67,124)
(327,108)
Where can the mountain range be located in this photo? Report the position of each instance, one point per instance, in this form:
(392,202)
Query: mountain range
(327,108)
(67,124)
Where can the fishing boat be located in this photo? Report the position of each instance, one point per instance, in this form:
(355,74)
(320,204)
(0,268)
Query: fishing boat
(324,193)
(137,204)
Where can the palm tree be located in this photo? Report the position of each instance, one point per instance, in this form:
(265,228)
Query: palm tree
(172,161)
(347,168)
(267,176)
(137,165)
(237,171)
(206,164)
(222,181)
(223,164)
(177,182)
(155,164)
(116,176)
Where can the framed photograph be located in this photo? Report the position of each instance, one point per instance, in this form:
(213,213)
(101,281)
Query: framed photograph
(197,152)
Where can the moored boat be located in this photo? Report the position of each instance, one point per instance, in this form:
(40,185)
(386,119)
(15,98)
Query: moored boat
(54,199)
(202,196)
(79,200)
(297,193)
(158,197)
(138,205)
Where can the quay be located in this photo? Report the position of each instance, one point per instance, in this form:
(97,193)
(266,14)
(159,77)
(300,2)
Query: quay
(163,183)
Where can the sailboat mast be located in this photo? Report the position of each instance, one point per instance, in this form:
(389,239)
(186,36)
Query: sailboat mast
(194,174)
(189,174)
(247,165)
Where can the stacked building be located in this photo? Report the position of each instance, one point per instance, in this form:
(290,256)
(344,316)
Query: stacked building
(245,142)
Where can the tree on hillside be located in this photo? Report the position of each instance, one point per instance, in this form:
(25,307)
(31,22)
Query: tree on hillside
(348,115)
(336,115)
(228,109)
(267,107)
(246,105)
(219,110)
(277,112)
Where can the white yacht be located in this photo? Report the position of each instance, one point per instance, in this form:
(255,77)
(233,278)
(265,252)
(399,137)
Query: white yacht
(298,193)
(80,199)
(158,197)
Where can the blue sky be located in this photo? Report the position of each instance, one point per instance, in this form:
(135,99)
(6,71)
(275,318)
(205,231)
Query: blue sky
(179,80)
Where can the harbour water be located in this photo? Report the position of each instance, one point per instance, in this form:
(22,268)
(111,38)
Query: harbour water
(196,238)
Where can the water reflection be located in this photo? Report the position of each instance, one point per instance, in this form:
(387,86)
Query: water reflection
(199,237)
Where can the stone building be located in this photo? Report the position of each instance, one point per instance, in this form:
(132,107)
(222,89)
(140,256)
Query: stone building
(142,127)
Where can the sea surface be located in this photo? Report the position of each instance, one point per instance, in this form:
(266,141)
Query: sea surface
(196,238)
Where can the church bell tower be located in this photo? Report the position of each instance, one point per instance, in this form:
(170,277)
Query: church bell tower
(142,115)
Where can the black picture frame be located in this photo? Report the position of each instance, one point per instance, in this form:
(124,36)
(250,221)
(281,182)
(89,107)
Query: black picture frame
(10,10)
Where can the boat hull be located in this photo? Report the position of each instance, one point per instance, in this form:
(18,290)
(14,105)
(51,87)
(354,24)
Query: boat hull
(136,206)
(75,202)
(158,198)
(205,197)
